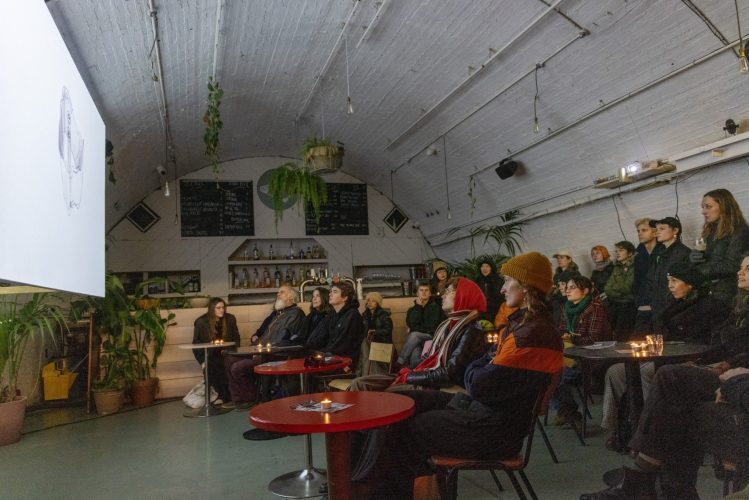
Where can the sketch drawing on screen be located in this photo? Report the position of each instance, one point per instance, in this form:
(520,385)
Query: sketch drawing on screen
(70,142)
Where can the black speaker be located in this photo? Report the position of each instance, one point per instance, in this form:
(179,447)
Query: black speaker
(506,168)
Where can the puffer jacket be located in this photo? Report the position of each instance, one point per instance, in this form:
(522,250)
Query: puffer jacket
(379,321)
(620,286)
(722,259)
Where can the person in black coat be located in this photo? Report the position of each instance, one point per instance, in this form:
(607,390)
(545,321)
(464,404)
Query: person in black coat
(491,285)
(216,324)
(318,309)
(342,331)
(645,256)
(668,233)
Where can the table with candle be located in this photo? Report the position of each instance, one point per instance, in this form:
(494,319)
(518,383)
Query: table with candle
(632,354)
(207,410)
(303,483)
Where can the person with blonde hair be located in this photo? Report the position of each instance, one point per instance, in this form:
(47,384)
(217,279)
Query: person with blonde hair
(379,328)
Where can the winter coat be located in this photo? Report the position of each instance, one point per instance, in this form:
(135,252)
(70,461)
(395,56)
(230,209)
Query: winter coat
(722,259)
(425,318)
(491,286)
(202,334)
(697,318)
(340,333)
(308,325)
(280,324)
(658,276)
(379,321)
(592,325)
(644,264)
(620,286)
(601,277)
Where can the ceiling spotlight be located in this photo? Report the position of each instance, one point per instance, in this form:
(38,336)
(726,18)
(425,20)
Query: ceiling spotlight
(161,170)
(731,127)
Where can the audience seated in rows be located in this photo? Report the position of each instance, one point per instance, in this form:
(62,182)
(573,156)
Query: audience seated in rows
(422,320)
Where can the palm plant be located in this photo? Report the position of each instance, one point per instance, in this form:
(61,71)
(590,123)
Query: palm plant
(20,323)
(506,235)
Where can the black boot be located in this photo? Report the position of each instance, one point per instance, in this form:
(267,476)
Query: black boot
(635,485)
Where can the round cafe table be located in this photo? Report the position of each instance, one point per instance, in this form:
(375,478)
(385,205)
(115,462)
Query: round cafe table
(303,483)
(369,410)
(207,410)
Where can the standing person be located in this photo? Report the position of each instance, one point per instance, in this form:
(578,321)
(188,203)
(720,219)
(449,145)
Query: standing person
(668,233)
(620,292)
(491,420)
(645,255)
(216,324)
(491,285)
(439,278)
(725,237)
(602,269)
(378,325)
(422,320)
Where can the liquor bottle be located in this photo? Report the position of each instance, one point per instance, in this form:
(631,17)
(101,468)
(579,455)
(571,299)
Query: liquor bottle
(291,250)
(231,278)
(277,277)
(255,278)
(288,279)
(245,278)
(266,278)
(315,252)
(308,253)
(255,252)
(301,253)
(270,252)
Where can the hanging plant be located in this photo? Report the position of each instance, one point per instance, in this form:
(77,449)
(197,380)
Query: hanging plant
(472,194)
(213,124)
(292,181)
(321,155)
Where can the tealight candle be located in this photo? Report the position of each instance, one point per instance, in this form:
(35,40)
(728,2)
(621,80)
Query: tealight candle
(636,347)
(318,357)
(325,404)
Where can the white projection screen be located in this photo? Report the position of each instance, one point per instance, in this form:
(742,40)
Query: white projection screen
(52,159)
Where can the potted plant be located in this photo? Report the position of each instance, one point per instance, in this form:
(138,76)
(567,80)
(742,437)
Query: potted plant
(21,322)
(149,330)
(320,155)
(301,183)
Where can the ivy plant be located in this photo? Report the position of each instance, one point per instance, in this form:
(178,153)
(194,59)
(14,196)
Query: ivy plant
(213,124)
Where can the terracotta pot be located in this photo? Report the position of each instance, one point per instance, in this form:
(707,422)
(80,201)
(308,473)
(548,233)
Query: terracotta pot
(144,392)
(147,303)
(108,400)
(11,420)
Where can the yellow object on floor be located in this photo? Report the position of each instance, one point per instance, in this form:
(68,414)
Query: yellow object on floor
(57,383)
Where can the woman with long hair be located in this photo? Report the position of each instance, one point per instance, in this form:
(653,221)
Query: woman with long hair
(319,307)
(602,267)
(725,238)
(216,324)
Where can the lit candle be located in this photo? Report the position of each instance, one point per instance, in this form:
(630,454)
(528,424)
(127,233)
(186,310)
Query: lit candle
(636,347)
(325,404)
(267,346)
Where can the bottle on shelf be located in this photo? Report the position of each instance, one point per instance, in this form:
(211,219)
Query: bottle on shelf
(301,275)
(231,278)
(270,252)
(245,254)
(266,278)
(308,253)
(292,256)
(315,252)
(255,278)
(245,278)
(289,278)
(301,252)
(255,252)
(277,277)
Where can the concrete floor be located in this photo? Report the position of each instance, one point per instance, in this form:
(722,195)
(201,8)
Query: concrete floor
(157,453)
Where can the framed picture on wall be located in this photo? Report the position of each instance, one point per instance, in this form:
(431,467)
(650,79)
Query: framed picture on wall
(142,217)
(395,219)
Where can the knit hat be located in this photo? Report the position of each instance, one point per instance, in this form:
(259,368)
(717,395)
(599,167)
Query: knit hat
(531,268)
(437,265)
(686,273)
(563,252)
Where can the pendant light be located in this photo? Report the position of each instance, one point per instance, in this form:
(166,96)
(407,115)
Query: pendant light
(349,107)
(743,62)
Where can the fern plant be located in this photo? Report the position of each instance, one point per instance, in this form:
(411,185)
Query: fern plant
(292,181)
(213,124)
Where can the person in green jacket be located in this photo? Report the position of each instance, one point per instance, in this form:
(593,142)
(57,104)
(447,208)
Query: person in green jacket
(620,292)
(422,319)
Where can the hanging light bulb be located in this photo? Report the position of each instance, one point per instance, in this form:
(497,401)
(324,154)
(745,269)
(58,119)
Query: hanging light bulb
(449,215)
(166,189)
(350,110)
(536,128)
(350,107)
(743,62)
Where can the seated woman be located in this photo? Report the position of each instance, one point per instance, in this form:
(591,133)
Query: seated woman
(691,316)
(584,321)
(216,324)
(319,307)
(457,342)
(439,278)
(491,421)
(379,328)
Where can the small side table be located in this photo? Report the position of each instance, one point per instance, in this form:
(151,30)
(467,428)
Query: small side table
(207,410)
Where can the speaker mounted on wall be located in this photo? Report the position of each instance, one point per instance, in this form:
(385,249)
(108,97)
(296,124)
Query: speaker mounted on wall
(506,168)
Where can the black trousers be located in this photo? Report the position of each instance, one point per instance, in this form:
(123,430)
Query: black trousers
(667,430)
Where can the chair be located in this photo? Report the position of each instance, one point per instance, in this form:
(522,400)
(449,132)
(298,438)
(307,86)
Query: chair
(544,412)
(448,467)
(378,353)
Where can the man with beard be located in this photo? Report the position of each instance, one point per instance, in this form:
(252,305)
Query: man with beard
(285,320)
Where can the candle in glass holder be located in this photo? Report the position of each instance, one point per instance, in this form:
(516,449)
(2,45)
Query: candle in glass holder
(267,347)
(636,347)
(318,357)
(325,404)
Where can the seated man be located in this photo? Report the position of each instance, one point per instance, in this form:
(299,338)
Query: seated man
(286,318)
(422,320)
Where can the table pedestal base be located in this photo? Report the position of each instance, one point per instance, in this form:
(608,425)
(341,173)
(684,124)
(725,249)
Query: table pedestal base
(299,484)
(206,411)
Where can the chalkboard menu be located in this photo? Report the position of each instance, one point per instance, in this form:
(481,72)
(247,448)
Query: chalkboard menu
(345,213)
(216,208)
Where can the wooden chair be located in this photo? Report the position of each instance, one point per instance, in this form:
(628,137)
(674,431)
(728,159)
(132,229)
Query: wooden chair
(378,353)
(448,467)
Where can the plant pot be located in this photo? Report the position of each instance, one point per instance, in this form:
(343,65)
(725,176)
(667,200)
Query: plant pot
(147,303)
(144,391)
(108,400)
(11,420)
(198,301)
(322,161)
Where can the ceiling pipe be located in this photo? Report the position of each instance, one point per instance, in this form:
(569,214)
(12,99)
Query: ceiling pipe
(372,23)
(494,97)
(218,38)
(611,104)
(470,77)
(326,66)
(164,111)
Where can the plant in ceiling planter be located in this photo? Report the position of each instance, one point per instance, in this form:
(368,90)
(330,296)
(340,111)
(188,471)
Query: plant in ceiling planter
(320,155)
(20,322)
(301,183)
(213,124)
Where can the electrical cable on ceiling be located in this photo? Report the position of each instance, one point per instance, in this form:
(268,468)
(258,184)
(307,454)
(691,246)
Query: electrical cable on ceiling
(713,29)
(447,188)
(618,217)
(676,192)
(536,128)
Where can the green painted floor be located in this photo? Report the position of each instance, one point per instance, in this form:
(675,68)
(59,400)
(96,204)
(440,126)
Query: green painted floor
(157,453)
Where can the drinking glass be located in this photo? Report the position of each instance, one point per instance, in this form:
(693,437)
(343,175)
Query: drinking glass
(655,344)
(699,244)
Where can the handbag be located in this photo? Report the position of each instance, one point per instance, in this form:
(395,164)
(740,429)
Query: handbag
(195,398)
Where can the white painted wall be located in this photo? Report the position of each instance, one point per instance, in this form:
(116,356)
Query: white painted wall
(582,227)
(162,247)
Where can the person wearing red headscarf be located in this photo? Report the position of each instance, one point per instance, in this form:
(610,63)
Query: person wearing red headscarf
(457,342)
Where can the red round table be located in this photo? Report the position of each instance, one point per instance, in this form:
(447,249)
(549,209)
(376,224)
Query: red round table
(371,409)
(303,483)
